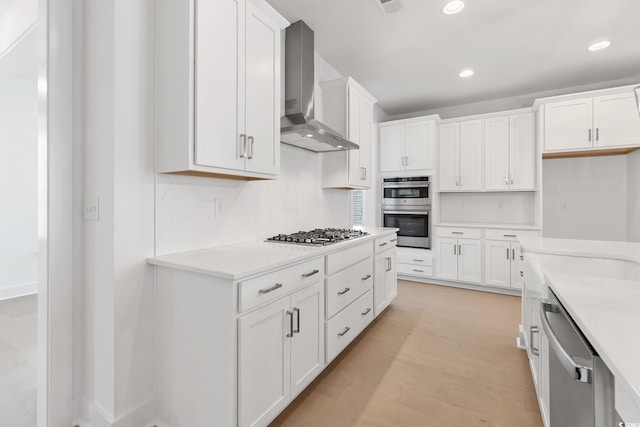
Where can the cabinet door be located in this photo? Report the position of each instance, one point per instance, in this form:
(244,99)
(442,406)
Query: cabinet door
(496,150)
(366,121)
(522,152)
(470,174)
(264,382)
(391,277)
(262,99)
(449,161)
(469,261)
(516,267)
(391,148)
(353,125)
(218,85)
(379,277)
(568,124)
(497,257)
(616,120)
(307,343)
(419,145)
(447,259)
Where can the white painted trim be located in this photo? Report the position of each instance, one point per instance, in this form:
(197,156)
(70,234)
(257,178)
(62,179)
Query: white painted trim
(18,290)
(489,115)
(432,281)
(434,117)
(89,415)
(55,213)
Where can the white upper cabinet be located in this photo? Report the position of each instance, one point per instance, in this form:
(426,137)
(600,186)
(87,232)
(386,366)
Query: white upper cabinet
(509,152)
(461,156)
(348,109)
(218,96)
(407,145)
(604,121)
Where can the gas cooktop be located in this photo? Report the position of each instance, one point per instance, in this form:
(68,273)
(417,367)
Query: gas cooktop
(319,236)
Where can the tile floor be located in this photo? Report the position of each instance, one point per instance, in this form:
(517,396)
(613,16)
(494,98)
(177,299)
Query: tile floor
(18,356)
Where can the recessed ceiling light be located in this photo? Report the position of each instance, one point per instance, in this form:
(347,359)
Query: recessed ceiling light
(454,6)
(600,45)
(466,73)
(309,135)
(340,146)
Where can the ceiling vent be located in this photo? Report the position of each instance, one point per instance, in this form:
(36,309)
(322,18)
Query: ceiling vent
(391,6)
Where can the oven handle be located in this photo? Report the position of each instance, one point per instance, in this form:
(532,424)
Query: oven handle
(427,212)
(414,185)
(578,372)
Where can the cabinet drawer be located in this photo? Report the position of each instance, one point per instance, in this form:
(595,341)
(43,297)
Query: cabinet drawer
(414,256)
(384,243)
(510,235)
(268,287)
(466,233)
(348,285)
(345,326)
(415,270)
(340,260)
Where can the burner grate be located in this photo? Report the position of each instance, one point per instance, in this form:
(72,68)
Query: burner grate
(319,236)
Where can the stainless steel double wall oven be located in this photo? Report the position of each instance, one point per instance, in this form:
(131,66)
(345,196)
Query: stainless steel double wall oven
(406,205)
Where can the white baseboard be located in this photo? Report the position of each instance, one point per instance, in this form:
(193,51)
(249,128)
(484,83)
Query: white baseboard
(18,290)
(86,414)
(430,281)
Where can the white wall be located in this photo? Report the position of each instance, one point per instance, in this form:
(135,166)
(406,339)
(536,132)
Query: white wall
(487,208)
(16,18)
(633,196)
(585,198)
(18,170)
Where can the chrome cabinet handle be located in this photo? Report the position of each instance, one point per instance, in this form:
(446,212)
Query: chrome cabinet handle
(511,176)
(311,273)
(457,232)
(455,248)
(513,254)
(368,276)
(521,273)
(506,179)
(365,173)
(393,240)
(418,271)
(297,330)
(383,244)
(290,314)
(507,253)
(533,330)
(510,235)
(344,291)
(578,372)
(242,146)
(250,147)
(418,260)
(346,329)
(271,289)
(597,134)
(367,311)
(589,135)
(389,264)
(459,250)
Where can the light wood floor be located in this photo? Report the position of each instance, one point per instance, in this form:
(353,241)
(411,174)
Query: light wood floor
(438,357)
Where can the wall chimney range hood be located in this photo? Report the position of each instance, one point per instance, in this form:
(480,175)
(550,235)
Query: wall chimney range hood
(298,127)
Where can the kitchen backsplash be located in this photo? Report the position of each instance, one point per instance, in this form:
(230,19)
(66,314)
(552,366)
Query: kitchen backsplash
(496,208)
(252,210)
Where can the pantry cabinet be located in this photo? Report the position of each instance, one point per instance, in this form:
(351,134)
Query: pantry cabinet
(509,152)
(407,145)
(592,122)
(218,88)
(348,109)
(281,350)
(461,156)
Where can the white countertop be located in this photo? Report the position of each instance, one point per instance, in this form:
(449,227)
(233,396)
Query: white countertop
(607,310)
(245,259)
(488,225)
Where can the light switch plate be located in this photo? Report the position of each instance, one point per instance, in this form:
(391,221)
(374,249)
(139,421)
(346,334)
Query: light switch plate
(91,211)
(219,207)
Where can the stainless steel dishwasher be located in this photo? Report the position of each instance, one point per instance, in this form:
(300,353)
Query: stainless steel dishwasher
(580,384)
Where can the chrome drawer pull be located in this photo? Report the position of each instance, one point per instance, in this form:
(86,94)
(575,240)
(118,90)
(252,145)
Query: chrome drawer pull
(510,235)
(383,244)
(366,312)
(311,274)
(297,330)
(393,240)
(271,289)
(533,330)
(418,271)
(368,276)
(344,291)
(418,260)
(346,329)
(457,232)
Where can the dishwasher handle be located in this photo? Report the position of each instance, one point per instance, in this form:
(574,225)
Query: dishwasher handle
(579,373)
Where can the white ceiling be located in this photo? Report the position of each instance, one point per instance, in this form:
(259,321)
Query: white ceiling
(410,60)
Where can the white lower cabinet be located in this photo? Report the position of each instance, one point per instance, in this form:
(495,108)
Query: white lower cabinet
(347,324)
(280,352)
(459,260)
(385,285)
(502,264)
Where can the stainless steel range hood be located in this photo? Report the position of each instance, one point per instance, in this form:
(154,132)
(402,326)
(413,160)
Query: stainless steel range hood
(298,126)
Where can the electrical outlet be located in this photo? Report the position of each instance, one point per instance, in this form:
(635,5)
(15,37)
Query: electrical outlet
(91,210)
(499,204)
(219,207)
